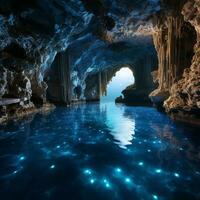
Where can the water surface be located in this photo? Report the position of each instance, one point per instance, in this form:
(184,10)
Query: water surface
(99,152)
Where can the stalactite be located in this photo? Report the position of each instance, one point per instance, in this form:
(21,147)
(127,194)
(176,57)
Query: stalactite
(184,100)
(174,54)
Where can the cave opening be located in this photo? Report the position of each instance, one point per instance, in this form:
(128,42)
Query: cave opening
(119,81)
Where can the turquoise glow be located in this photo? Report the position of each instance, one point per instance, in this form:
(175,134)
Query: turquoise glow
(92,181)
(155,197)
(88,171)
(52,166)
(106,183)
(118,170)
(22,158)
(176,175)
(140,163)
(127,180)
(158,171)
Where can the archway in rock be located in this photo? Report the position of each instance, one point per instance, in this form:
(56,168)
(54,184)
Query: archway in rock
(121,79)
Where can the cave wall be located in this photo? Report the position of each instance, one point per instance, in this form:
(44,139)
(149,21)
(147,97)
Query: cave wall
(58,79)
(184,100)
(176,39)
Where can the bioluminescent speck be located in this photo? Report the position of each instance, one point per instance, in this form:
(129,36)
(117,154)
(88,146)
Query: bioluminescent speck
(158,171)
(127,180)
(88,171)
(92,181)
(155,197)
(22,158)
(52,166)
(176,175)
(140,163)
(118,170)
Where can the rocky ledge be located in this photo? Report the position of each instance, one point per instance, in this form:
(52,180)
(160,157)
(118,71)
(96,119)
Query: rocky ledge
(135,97)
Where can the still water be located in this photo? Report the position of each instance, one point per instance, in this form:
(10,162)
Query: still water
(99,152)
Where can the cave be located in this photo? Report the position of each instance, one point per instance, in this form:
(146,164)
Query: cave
(99,99)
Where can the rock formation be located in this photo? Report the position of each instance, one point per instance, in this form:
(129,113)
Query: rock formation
(174,40)
(184,100)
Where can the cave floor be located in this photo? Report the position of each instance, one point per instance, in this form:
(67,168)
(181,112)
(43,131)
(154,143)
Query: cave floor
(99,151)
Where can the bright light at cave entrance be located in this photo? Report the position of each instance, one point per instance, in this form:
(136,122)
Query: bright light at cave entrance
(123,78)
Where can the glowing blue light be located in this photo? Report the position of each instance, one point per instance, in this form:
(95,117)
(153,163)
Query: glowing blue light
(118,170)
(149,150)
(140,163)
(181,149)
(158,171)
(154,142)
(107,184)
(15,172)
(176,175)
(58,146)
(105,181)
(92,181)
(52,166)
(155,197)
(22,158)
(88,171)
(127,180)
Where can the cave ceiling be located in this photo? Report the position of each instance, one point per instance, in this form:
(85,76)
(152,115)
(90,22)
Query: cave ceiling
(97,32)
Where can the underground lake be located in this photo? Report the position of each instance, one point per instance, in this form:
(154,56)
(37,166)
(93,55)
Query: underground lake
(101,150)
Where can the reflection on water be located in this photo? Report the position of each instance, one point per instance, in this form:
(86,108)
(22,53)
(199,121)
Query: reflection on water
(122,128)
(99,151)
